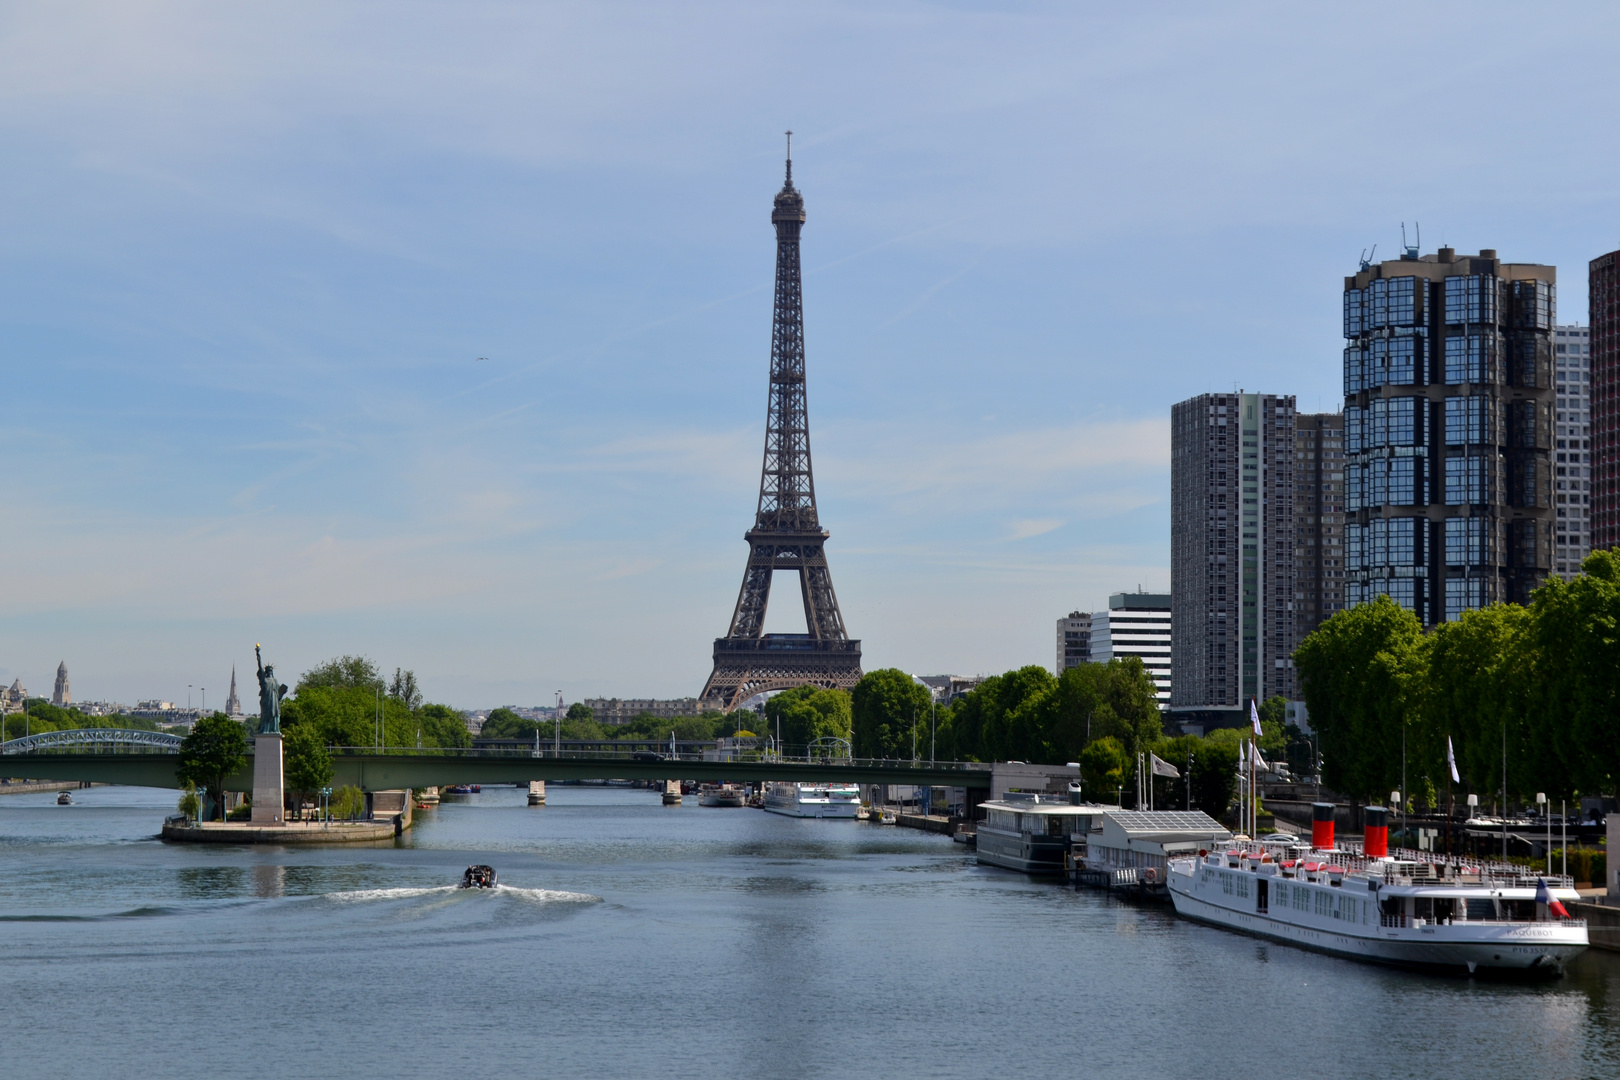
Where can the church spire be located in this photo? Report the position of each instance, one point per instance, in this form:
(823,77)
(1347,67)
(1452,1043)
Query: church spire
(233,705)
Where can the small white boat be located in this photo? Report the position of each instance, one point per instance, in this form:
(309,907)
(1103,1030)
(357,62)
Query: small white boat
(64,799)
(813,800)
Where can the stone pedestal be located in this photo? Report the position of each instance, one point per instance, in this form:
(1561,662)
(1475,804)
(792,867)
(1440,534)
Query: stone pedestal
(267,780)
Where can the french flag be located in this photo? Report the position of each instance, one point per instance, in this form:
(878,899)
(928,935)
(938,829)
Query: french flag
(1544,896)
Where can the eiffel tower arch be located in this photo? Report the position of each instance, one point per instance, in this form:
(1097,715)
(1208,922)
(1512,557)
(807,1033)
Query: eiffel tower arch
(787,534)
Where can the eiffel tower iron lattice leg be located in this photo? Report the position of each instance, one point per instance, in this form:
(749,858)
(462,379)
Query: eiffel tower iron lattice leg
(787,534)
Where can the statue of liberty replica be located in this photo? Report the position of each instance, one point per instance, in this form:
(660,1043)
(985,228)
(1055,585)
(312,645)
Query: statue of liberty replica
(270,694)
(268,789)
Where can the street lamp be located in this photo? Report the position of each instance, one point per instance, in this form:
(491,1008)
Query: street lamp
(1395,800)
(1541,801)
(326,805)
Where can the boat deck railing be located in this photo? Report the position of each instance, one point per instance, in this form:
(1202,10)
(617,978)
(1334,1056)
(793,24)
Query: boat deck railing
(1401,921)
(1408,867)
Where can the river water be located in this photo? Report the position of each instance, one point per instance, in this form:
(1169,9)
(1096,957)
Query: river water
(629,938)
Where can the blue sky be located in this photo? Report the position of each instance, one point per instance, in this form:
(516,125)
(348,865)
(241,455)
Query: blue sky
(439,332)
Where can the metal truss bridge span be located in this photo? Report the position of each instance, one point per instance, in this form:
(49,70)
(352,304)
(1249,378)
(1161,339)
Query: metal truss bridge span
(372,770)
(111,739)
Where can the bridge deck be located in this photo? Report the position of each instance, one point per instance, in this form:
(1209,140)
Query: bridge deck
(376,772)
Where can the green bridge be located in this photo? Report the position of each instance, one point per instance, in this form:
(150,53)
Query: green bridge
(370,770)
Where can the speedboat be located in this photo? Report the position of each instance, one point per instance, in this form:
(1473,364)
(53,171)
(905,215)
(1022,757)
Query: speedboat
(64,799)
(478,877)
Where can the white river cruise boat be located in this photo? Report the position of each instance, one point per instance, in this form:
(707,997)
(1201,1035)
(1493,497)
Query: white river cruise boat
(1414,910)
(813,800)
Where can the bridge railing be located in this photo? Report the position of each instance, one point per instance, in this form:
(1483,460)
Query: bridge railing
(652,757)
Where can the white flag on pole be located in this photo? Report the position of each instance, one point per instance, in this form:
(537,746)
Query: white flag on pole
(1162,767)
(1451,759)
(1254,718)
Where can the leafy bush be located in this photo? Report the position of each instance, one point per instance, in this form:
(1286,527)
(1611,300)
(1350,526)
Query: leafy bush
(348,803)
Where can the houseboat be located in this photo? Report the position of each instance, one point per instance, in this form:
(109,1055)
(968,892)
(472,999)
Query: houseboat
(1412,909)
(1033,833)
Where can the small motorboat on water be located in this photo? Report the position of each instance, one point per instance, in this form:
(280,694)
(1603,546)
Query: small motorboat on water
(478,877)
(64,799)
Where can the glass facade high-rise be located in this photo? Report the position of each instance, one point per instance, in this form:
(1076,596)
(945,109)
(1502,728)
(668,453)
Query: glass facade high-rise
(1572,451)
(1232,554)
(1448,376)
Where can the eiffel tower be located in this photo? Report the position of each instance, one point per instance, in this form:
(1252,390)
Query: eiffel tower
(787,535)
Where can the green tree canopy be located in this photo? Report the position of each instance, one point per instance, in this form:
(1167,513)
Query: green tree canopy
(887,707)
(342,673)
(308,763)
(1361,672)
(215,748)
(807,713)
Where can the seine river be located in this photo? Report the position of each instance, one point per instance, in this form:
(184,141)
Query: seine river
(631,939)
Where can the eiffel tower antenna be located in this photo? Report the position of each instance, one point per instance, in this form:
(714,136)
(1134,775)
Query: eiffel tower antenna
(787,534)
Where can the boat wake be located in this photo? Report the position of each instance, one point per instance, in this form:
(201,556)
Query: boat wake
(545,896)
(532,896)
(357,896)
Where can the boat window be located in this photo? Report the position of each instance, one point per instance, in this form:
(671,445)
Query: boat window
(1481,907)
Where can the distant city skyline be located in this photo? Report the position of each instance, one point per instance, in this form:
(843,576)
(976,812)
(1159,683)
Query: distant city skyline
(446,345)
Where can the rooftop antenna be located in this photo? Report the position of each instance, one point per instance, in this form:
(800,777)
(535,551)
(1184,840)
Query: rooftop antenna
(1367,257)
(1410,252)
(790,159)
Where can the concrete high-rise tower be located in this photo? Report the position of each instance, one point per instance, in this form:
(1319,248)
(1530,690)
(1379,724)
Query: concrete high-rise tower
(1448,420)
(1318,519)
(1572,448)
(62,694)
(1231,555)
(1603,284)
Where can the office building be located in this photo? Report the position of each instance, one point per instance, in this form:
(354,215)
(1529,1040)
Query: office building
(1231,555)
(1136,624)
(1603,284)
(1448,429)
(1073,641)
(1318,519)
(1572,448)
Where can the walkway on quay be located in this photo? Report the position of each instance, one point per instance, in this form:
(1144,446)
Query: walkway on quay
(373,770)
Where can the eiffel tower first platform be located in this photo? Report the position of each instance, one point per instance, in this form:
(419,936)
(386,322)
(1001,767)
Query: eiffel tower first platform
(787,535)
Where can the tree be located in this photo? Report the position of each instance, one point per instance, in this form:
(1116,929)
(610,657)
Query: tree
(341,673)
(404,690)
(1105,768)
(807,713)
(308,764)
(885,708)
(443,726)
(503,723)
(580,711)
(215,748)
(1362,672)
